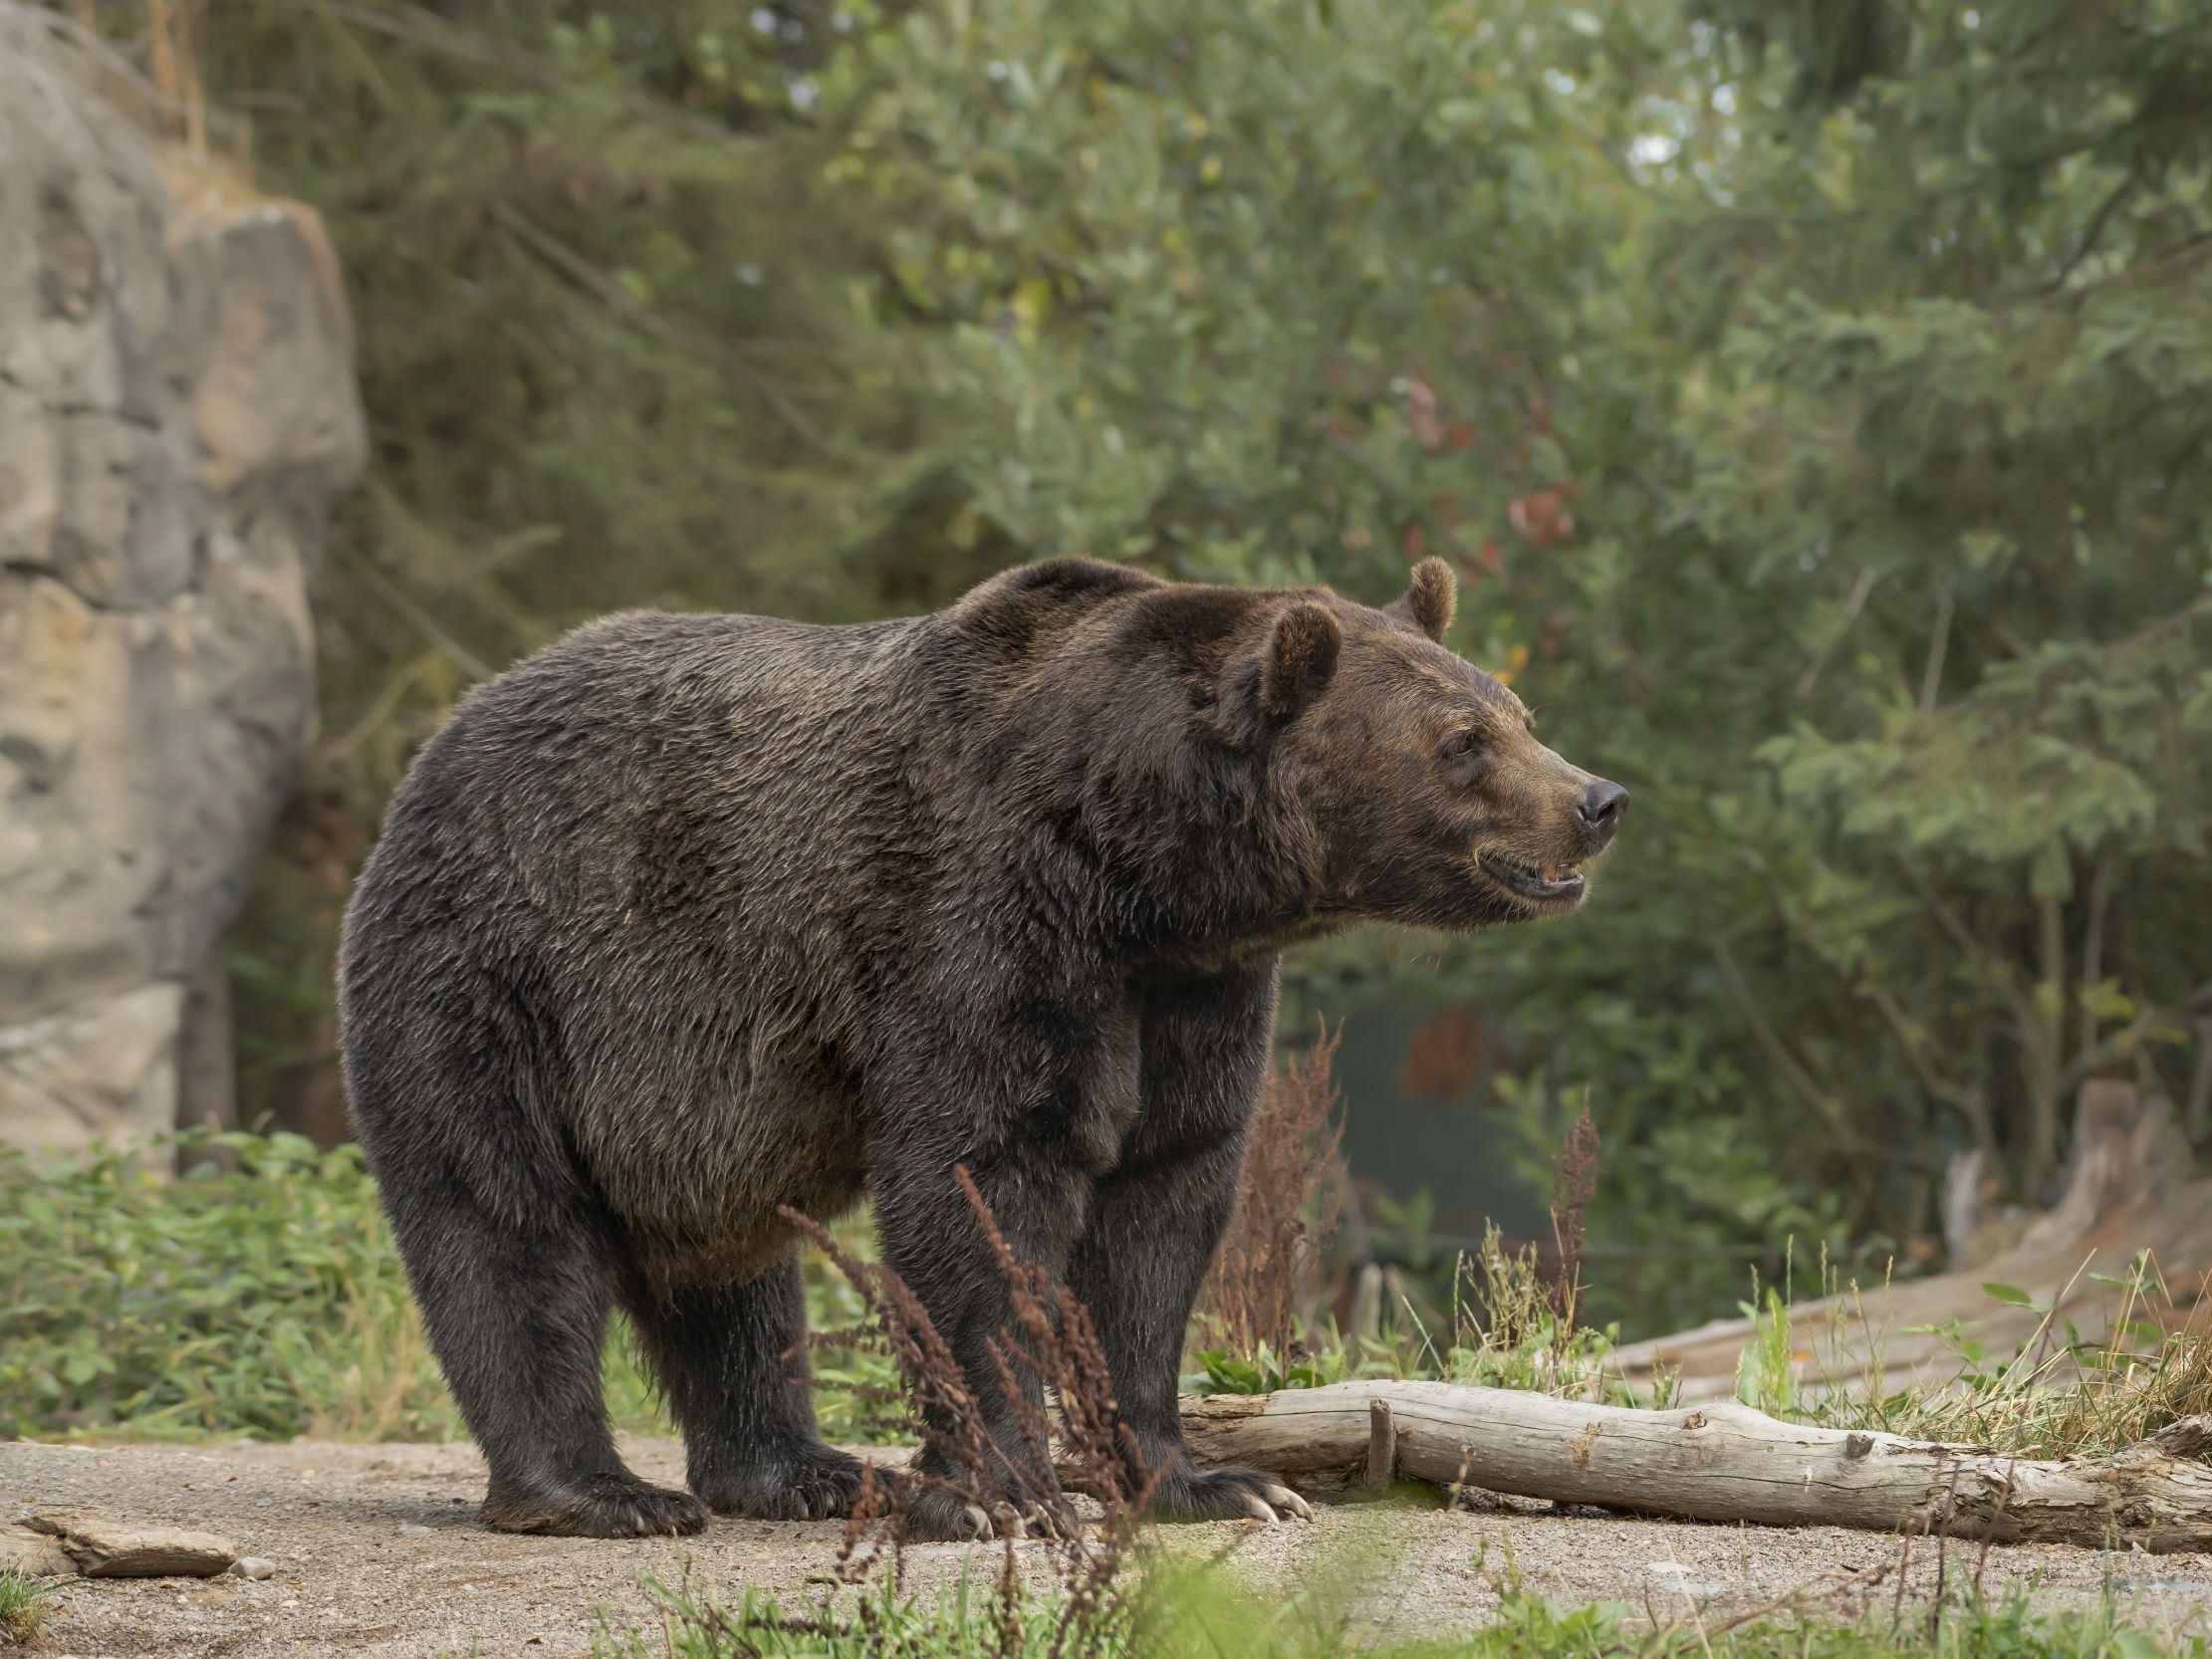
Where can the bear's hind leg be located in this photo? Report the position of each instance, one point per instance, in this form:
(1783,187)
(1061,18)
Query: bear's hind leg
(517,1321)
(733,1362)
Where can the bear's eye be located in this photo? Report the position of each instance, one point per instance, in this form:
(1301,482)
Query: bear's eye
(1461,744)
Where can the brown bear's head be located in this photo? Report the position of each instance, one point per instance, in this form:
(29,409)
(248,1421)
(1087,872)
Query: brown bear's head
(1420,776)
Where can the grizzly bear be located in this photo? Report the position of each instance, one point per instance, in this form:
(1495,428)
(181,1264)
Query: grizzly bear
(688,918)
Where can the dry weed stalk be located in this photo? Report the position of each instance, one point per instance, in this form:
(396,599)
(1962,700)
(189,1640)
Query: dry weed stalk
(1574,1184)
(1287,1205)
(1052,1341)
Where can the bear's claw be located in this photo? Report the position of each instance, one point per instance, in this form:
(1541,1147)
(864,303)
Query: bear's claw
(934,1516)
(812,1482)
(610,1508)
(1189,1494)
(1283,1498)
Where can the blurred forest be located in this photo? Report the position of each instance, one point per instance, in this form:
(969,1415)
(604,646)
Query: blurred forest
(1816,401)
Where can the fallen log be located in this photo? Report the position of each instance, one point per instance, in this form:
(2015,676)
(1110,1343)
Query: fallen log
(1715,1462)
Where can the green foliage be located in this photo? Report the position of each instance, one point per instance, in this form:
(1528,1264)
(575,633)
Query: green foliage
(1208,1614)
(1969,1627)
(1263,1371)
(1502,1329)
(260,1294)
(968,1619)
(2058,1394)
(1876,579)
(1290,238)
(1931,449)
(1512,1326)
(264,1298)
(1813,407)
(1766,1372)
(23,1604)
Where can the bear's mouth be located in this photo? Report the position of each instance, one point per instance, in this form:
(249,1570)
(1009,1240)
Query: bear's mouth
(1538,884)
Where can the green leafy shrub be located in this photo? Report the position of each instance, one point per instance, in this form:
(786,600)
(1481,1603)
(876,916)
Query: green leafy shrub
(260,1293)
(1305,1364)
(264,1297)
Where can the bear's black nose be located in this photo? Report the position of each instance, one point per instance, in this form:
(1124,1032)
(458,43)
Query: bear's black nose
(1604,805)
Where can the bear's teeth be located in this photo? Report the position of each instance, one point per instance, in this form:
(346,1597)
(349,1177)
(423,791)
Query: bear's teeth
(1551,872)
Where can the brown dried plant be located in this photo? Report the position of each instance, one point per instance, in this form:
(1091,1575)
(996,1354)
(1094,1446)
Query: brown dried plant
(1052,1341)
(1574,1184)
(1288,1201)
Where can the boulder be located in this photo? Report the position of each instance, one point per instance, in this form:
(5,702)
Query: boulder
(177,414)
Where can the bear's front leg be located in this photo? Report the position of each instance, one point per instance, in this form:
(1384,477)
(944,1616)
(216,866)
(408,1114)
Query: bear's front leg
(1158,1217)
(933,1242)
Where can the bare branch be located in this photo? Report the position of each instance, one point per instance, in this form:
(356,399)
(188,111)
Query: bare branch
(2197,1119)
(2092,234)
(1717,1461)
(2093,947)
(1932,677)
(1791,1069)
(1860,591)
(568,262)
(1969,1102)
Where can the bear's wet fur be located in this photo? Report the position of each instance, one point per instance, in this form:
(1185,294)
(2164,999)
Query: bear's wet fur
(690,917)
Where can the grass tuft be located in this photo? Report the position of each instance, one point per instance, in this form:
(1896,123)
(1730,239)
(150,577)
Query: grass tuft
(879,1618)
(2059,1394)
(23,1604)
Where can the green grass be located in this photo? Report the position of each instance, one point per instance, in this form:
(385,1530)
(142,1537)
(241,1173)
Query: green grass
(969,1618)
(2059,1395)
(259,1294)
(22,1606)
(1202,1614)
(1531,1628)
(1500,1329)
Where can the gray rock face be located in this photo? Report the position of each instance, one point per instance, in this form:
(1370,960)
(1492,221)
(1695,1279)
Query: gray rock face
(177,412)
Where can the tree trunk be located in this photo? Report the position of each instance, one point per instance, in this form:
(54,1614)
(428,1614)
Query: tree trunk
(1715,1462)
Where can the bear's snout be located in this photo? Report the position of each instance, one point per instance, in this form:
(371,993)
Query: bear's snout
(1604,804)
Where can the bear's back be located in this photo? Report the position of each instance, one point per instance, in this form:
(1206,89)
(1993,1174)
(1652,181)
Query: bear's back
(637,764)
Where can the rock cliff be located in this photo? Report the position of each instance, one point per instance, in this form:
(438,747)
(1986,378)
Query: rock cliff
(177,413)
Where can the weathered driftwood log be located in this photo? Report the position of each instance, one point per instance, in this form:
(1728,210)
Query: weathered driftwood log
(1716,1461)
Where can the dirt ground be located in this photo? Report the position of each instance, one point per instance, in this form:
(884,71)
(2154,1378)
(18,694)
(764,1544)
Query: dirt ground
(378,1554)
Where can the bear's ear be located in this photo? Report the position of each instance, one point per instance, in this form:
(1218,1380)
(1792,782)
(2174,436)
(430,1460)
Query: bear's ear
(1301,656)
(1428,605)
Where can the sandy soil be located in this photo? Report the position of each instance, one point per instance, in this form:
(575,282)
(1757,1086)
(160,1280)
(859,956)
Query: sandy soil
(378,1554)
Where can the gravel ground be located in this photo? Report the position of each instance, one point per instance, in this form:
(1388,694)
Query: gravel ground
(378,1554)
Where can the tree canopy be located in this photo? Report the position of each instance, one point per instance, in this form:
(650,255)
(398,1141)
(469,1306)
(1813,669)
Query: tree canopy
(1814,401)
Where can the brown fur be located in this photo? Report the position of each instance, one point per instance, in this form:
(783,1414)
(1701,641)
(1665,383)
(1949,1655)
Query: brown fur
(688,918)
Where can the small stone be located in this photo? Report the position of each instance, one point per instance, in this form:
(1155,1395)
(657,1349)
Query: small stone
(253,1566)
(415,1529)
